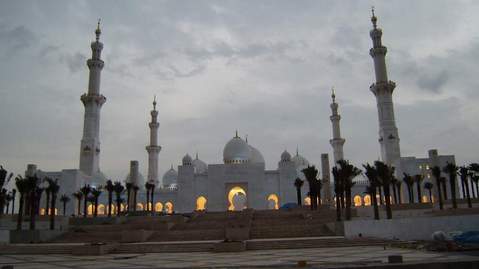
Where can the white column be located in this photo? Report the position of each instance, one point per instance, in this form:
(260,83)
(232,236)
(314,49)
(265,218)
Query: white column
(337,142)
(153,149)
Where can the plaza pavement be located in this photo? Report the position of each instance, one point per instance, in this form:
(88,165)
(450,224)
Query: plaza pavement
(319,257)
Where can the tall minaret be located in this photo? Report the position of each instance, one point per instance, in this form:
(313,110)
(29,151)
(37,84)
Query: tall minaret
(337,142)
(153,149)
(383,90)
(93,101)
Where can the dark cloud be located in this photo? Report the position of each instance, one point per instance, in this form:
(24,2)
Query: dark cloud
(74,62)
(433,82)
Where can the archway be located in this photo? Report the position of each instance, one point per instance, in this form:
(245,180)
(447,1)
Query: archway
(169,207)
(139,206)
(357,200)
(201,203)
(273,201)
(367,200)
(101,209)
(237,199)
(90,209)
(307,201)
(158,207)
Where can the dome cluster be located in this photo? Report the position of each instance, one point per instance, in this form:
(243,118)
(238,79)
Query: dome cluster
(238,151)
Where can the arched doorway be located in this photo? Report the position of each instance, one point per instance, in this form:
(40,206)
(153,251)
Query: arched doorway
(169,207)
(139,206)
(367,200)
(101,209)
(273,201)
(357,200)
(158,207)
(307,201)
(237,199)
(201,203)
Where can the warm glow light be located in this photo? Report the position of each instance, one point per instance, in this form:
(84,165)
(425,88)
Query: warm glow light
(357,200)
(159,207)
(273,197)
(169,207)
(139,206)
(201,203)
(307,201)
(234,191)
(367,200)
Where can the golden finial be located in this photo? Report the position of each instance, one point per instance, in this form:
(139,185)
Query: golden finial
(98,30)
(154,102)
(333,94)
(236,135)
(373,18)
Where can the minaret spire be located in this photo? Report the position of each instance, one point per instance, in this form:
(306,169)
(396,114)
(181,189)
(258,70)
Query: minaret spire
(383,90)
(92,101)
(336,142)
(153,149)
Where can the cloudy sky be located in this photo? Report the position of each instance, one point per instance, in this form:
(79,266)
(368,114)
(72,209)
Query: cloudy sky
(263,67)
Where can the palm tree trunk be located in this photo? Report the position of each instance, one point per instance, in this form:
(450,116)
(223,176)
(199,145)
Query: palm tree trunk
(374,200)
(85,206)
(453,193)
(430,196)
(394,194)
(47,206)
(13,204)
(20,212)
(147,200)
(118,207)
(135,192)
(52,214)
(472,189)
(338,209)
(443,182)
(380,195)
(110,201)
(399,195)
(128,192)
(418,186)
(79,207)
(463,190)
(348,204)
(95,213)
(152,199)
(32,209)
(468,194)
(342,200)
(387,197)
(477,189)
(439,195)
(64,208)
(298,196)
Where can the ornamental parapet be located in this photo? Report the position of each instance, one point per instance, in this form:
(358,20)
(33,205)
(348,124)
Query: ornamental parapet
(337,141)
(93,98)
(154,124)
(383,87)
(378,51)
(95,63)
(153,148)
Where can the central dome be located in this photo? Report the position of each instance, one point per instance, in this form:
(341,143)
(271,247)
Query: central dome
(236,151)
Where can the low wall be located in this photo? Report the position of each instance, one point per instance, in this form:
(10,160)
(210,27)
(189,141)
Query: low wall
(4,236)
(418,228)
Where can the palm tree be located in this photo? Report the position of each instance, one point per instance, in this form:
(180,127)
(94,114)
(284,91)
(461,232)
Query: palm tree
(86,189)
(64,199)
(372,175)
(128,186)
(96,192)
(464,173)
(147,188)
(385,173)
(398,187)
(347,172)
(418,179)
(428,186)
(8,198)
(47,192)
(109,187)
(54,188)
(298,183)
(338,189)
(3,200)
(451,170)
(118,188)
(444,189)
(135,193)
(311,174)
(474,178)
(436,173)
(409,181)
(22,187)
(34,194)
(78,195)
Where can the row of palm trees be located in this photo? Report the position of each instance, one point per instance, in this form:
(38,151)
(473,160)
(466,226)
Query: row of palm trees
(382,181)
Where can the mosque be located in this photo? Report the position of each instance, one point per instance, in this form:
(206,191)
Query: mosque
(242,180)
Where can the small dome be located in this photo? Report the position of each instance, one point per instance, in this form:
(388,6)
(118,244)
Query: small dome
(187,160)
(170,177)
(300,161)
(236,151)
(199,166)
(256,156)
(285,156)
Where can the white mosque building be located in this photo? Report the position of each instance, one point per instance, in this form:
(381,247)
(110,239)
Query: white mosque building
(241,181)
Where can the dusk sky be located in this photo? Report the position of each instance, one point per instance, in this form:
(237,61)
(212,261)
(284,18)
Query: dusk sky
(265,68)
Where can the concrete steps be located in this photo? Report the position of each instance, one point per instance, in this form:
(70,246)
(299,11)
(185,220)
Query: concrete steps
(295,243)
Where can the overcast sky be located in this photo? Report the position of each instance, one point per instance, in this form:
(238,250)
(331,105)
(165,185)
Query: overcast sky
(263,67)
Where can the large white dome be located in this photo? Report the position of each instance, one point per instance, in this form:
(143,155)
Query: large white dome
(300,163)
(256,156)
(236,151)
(170,177)
(199,166)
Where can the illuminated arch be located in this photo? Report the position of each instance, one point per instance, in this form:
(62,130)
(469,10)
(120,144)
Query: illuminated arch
(101,209)
(169,207)
(234,192)
(307,201)
(357,200)
(367,200)
(158,207)
(90,209)
(42,211)
(201,203)
(274,200)
(139,206)
(425,199)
